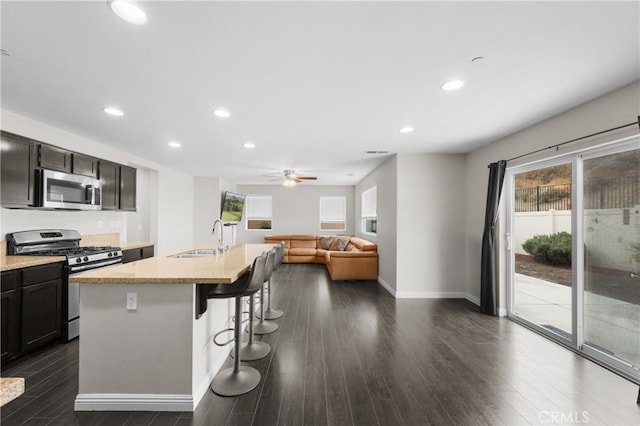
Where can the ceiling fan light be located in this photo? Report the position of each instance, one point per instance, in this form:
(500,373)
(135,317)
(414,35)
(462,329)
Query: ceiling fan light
(289,183)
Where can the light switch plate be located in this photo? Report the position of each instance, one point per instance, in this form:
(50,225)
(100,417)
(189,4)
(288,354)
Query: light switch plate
(132,301)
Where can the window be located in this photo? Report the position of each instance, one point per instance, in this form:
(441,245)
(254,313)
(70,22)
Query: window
(333,213)
(258,212)
(369,211)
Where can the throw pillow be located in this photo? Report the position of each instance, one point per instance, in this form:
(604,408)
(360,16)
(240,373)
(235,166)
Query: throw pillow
(342,244)
(325,242)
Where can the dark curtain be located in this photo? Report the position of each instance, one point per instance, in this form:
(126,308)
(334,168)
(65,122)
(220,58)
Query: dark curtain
(488,279)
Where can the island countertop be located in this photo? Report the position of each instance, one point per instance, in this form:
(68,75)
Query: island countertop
(225,268)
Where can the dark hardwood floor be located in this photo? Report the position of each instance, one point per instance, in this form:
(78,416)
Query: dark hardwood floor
(347,353)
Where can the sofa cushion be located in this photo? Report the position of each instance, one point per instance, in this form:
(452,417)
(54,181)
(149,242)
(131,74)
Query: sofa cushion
(325,243)
(302,251)
(341,244)
(303,243)
(363,245)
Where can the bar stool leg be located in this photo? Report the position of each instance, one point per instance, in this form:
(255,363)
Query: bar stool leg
(263,326)
(253,350)
(236,380)
(271,313)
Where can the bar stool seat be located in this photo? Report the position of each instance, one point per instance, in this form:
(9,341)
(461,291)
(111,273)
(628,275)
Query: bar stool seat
(238,380)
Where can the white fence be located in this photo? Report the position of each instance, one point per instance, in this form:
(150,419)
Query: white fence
(608,236)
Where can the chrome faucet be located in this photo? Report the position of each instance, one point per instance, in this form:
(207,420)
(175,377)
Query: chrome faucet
(213,231)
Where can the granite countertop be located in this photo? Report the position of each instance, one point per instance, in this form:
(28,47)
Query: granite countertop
(224,268)
(8,263)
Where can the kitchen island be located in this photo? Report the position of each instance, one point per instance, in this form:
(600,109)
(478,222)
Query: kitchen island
(145,336)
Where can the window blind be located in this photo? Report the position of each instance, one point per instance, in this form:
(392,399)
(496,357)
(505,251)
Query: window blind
(370,203)
(258,206)
(333,209)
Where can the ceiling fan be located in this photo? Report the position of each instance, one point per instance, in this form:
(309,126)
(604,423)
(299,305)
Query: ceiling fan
(289,178)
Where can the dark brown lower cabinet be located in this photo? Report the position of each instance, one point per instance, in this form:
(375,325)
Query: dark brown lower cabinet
(10,325)
(131,255)
(41,314)
(31,308)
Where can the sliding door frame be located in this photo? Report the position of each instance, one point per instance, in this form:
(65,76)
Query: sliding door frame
(576,159)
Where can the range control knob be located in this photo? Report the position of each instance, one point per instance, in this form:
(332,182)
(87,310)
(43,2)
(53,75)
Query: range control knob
(78,260)
(109,254)
(86,259)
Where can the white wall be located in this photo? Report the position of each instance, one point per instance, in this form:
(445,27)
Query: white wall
(385,178)
(173,199)
(138,222)
(430,226)
(295,210)
(614,109)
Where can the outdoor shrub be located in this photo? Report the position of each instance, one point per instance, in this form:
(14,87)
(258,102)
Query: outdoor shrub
(554,249)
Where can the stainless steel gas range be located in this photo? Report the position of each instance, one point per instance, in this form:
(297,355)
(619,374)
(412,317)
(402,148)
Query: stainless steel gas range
(64,242)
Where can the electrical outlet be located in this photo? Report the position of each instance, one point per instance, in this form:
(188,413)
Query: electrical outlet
(100,224)
(132,301)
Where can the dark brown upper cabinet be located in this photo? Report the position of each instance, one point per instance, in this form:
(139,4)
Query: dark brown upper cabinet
(53,158)
(127,188)
(21,157)
(84,165)
(18,165)
(110,180)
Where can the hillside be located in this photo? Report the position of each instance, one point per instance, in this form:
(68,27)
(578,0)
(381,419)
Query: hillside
(610,166)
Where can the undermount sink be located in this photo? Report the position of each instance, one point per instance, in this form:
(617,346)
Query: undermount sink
(195,253)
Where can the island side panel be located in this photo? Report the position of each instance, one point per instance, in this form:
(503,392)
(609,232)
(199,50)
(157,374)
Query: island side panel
(146,351)
(208,357)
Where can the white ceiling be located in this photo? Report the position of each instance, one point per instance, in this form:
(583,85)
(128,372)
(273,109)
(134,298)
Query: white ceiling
(312,84)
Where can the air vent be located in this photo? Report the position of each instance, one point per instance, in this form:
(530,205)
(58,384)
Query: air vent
(376,152)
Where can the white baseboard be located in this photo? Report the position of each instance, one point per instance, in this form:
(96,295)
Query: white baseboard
(386,286)
(427,294)
(471,298)
(133,402)
(430,295)
(502,312)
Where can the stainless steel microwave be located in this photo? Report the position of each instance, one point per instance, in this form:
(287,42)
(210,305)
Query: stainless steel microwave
(57,190)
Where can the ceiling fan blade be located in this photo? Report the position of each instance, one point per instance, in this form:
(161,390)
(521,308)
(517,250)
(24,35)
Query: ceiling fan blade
(307,178)
(274,180)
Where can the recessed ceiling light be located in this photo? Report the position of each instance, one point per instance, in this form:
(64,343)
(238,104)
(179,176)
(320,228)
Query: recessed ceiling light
(113,111)
(128,11)
(406,130)
(174,144)
(452,85)
(221,113)
(249,145)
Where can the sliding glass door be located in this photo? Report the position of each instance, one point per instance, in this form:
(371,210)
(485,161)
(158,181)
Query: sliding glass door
(574,251)
(541,236)
(611,229)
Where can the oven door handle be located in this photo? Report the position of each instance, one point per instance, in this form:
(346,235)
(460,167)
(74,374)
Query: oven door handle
(81,268)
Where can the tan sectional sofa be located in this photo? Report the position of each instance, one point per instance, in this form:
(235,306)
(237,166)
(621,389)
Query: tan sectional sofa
(357,261)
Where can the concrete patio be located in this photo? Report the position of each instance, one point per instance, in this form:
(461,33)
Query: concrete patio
(610,325)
